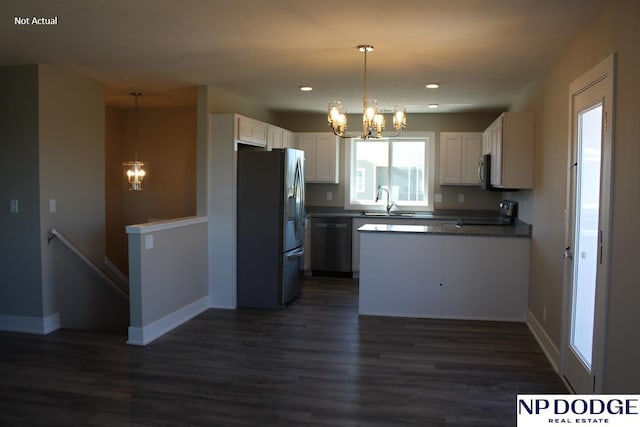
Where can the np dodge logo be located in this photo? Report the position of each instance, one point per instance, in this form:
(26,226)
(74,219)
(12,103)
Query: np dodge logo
(535,410)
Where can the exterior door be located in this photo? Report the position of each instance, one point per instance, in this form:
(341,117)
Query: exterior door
(587,231)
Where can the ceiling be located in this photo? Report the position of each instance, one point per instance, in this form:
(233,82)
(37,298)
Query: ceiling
(482,52)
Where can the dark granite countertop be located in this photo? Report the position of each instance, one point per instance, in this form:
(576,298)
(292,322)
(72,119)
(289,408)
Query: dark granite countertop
(476,222)
(518,230)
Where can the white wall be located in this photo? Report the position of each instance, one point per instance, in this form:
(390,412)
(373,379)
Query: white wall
(168,275)
(615,30)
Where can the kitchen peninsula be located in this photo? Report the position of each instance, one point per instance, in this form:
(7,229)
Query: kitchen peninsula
(445,271)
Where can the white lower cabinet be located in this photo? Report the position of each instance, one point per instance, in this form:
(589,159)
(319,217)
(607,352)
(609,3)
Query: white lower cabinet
(444,276)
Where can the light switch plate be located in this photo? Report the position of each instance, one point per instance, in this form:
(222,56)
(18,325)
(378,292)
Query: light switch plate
(13,206)
(460,198)
(437,197)
(148,241)
(52,205)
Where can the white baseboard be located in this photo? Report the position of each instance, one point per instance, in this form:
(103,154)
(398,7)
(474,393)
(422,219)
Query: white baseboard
(549,348)
(30,324)
(154,330)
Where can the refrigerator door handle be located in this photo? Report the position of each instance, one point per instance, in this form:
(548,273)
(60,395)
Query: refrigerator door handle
(298,192)
(296,253)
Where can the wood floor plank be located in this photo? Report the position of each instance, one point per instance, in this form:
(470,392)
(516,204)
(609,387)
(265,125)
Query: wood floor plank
(315,363)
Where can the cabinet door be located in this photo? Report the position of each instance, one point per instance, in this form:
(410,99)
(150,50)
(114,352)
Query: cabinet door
(471,154)
(518,135)
(252,131)
(486,142)
(496,152)
(307,143)
(459,158)
(307,244)
(321,157)
(450,158)
(288,139)
(275,137)
(326,158)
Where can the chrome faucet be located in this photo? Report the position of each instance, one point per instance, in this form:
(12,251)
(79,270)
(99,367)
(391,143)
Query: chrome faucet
(389,204)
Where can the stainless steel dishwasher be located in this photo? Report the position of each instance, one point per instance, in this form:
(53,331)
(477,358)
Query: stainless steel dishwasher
(330,245)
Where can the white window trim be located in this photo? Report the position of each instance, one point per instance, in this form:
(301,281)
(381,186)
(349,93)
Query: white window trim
(360,187)
(429,165)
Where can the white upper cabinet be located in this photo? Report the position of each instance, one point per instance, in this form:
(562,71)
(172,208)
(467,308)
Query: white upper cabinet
(486,142)
(460,154)
(288,139)
(511,139)
(275,137)
(250,131)
(321,151)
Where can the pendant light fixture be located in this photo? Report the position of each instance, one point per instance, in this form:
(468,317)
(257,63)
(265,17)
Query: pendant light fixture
(373,122)
(135,170)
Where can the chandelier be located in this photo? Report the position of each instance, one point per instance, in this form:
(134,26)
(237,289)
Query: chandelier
(135,170)
(373,122)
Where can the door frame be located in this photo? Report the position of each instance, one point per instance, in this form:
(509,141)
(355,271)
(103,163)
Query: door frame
(603,71)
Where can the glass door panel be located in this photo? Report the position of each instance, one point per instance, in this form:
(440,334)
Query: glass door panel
(586,244)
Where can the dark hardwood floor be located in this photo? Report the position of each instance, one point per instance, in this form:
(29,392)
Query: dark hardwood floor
(315,363)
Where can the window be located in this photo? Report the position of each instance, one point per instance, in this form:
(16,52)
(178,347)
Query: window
(404,166)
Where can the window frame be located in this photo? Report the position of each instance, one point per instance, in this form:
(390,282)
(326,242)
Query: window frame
(429,162)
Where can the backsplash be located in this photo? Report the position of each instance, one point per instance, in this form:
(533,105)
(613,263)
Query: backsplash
(474,197)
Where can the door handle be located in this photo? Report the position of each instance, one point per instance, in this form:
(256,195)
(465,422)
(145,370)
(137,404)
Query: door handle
(568,253)
(296,254)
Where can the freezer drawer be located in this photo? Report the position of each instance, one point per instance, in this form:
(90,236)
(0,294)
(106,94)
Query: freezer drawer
(331,244)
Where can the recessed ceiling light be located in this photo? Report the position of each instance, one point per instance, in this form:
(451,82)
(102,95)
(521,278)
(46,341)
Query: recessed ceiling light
(433,105)
(432,85)
(306,88)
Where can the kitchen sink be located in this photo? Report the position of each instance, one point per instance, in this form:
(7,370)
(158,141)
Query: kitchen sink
(376,213)
(399,214)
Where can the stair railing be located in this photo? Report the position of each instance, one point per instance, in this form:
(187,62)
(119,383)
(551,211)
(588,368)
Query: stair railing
(53,234)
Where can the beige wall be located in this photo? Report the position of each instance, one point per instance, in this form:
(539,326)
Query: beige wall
(71,158)
(615,30)
(167,140)
(169,282)
(54,138)
(475,198)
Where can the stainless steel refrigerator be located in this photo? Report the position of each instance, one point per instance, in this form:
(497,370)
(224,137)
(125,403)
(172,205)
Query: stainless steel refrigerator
(270,227)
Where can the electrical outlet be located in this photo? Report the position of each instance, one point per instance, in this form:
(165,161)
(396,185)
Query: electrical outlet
(13,206)
(329,195)
(460,198)
(52,205)
(437,197)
